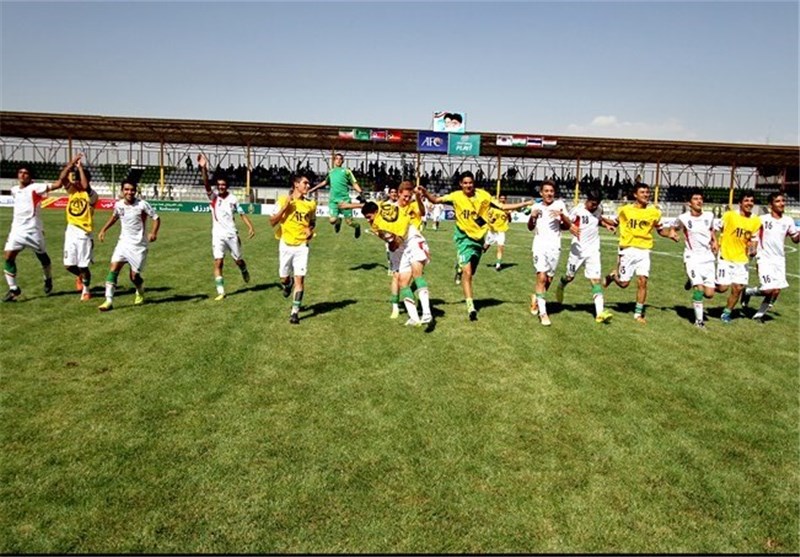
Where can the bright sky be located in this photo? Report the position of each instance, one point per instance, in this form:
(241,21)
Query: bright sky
(713,71)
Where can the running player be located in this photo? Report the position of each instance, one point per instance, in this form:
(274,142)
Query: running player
(224,236)
(340,180)
(775,227)
(547,218)
(636,223)
(585,251)
(738,242)
(294,224)
(27,230)
(496,236)
(79,235)
(471,206)
(699,252)
(132,246)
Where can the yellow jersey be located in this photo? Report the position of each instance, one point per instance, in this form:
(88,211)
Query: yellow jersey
(398,227)
(737,230)
(471,212)
(80,209)
(302,215)
(414,212)
(636,226)
(498,219)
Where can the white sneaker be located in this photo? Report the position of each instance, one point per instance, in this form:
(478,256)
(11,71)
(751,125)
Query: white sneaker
(395,313)
(426,318)
(413,323)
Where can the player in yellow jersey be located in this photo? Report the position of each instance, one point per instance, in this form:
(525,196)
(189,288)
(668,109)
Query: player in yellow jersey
(471,207)
(737,243)
(294,223)
(636,222)
(498,225)
(79,235)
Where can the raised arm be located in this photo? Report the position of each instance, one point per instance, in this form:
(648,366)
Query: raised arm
(62,176)
(430,197)
(202,162)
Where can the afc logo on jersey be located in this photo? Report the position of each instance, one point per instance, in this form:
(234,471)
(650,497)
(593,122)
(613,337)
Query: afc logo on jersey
(77,206)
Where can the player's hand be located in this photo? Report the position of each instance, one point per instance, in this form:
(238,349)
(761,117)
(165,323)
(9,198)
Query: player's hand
(575,231)
(202,161)
(360,198)
(101,235)
(251,233)
(152,237)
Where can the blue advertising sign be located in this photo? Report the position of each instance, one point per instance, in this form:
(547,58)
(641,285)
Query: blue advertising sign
(432,142)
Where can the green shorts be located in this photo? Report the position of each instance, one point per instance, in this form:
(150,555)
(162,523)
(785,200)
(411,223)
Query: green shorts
(334,211)
(469,250)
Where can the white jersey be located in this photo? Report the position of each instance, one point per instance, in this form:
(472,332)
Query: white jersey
(27,202)
(223,211)
(133,218)
(588,224)
(772,235)
(698,231)
(548,224)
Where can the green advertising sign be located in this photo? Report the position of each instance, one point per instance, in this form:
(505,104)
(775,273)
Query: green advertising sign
(464,145)
(195,207)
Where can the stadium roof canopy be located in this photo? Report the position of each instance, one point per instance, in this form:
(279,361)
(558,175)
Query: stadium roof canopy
(32,125)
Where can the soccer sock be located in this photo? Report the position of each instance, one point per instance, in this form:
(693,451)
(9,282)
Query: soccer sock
(639,310)
(726,311)
(541,304)
(470,304)
(220,282)
(10,271)
(243,268)
(597,296)
(423,295)
(296,301)
(395,299)
(697,304)
(564,282)
(499,263)
(86,279)
(138,282)
(74,270)
(411,304)
(111,285)
(762,309)
(47,269)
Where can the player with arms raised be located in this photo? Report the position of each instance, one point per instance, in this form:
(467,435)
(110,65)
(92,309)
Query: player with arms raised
(79,236)
(340,180)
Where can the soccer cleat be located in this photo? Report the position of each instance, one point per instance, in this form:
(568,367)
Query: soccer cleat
(78,284)
(357,233)
(12,295)
(246,275)
(560,292)
(603,317)
(294,319)
(498,267)
(745,298)
(534,306)
(639,318)
(609,279)
(287,288)
(426,318)
(48,285)
(395,313)
(85,297)
(726,318)
(413,323)
(544,319)
(337,226)
(700,325)
(138,299)
(688,284)
(219,297)
(473,315)
(758,318)
(106,306)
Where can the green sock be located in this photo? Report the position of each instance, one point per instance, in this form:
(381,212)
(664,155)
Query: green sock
(639,309)
(597,289)
(697,296)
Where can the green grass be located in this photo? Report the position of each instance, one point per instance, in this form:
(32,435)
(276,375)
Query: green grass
(187,425)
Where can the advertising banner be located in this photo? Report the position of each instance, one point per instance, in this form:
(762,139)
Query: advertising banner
(464,145)
(449,121)
(394,136)
(103,204)
(432,142)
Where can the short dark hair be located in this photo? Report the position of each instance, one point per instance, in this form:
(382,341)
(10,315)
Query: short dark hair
(26,169)
(549,182)
(639,185)
(369,208)
(696,191)
(466,174)
(744,195)
(455,116)
(594,195)
(296,177)
(131,182)
(773,196)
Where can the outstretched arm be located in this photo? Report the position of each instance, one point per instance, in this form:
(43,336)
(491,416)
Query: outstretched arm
(62,176)
(202,162)
(429,196)
(668,232)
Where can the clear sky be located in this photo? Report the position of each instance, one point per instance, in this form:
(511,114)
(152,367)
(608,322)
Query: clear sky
(708,71)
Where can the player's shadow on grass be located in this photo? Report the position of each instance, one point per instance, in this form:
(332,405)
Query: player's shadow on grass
(256,288)
(487,303)
(368,267)
(177,298)
(622,307)
(503,266)
(557,308)
(687,312)
(324,307)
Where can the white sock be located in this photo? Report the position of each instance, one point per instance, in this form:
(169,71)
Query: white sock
(411,308)
(424,300)
(12,281)
(598,304)
(698,311)
(110,288)
(541,304)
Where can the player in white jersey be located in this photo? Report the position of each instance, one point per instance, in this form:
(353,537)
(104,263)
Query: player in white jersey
(771,256)
(224,236)
(132,244)
(584,251)
(699,252)
(436,215)
(26,229)
(548,217)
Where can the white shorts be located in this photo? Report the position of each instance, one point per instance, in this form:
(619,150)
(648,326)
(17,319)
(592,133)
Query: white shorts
(222,245)
(633,260)
(395,257)
(701,273)
(495,238)
(772,273)
(78,247)
(21,239)
(416,251)
(590,260)
(732,273)
(293,260)
(134,255)
(545,260)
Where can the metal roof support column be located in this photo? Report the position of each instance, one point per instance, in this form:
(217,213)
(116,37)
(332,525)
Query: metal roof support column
(419,167)
(577,180)
(658,181)
(161,167)
(69,148)
(247,180)
(733,183)
(498,176)
(783,181)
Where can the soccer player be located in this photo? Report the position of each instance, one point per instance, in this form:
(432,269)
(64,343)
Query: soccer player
(27,230)
(471,207)
(585,251)
(340,180)
(699,252)
(636,223)
(547,218)
(737,243)
(132,246)
(775,227)
(496,236)
(224,236)
(79,235)
(436,215)
(294,224)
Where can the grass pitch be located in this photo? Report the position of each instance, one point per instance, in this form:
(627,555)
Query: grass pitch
(188,425)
